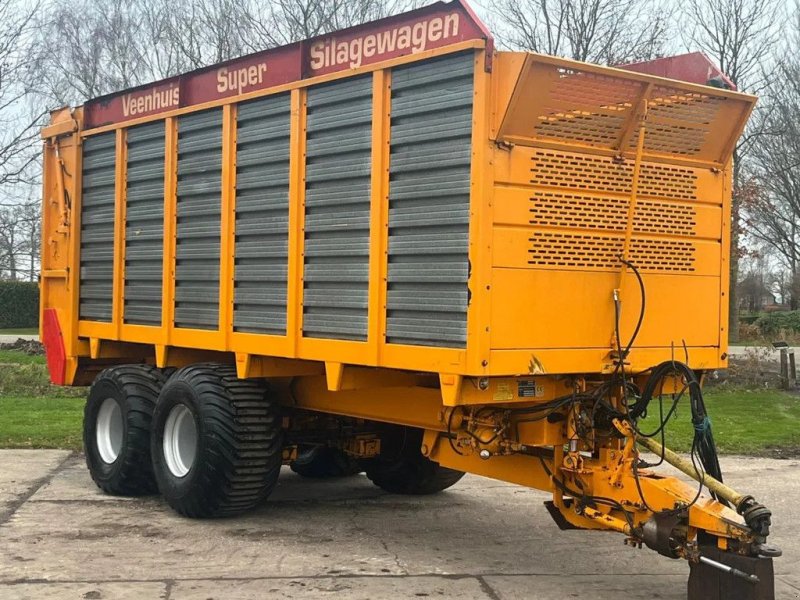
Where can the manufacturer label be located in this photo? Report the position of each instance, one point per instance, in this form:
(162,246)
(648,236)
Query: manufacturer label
(528,388)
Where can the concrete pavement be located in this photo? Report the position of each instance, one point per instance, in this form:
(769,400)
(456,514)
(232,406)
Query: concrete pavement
(61,538)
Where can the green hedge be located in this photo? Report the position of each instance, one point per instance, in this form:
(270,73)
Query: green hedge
(774,323)
(19,304)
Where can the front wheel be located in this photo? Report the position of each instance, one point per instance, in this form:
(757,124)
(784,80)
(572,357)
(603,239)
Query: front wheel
(216,442)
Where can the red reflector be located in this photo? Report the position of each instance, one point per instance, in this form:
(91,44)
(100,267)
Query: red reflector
(54,346)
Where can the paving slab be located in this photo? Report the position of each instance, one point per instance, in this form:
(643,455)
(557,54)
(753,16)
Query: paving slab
(353,588)
(84,591)
(22,472)
(345,537)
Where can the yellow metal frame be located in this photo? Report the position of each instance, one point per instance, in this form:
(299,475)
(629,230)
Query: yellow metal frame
(493,256)
(379,214)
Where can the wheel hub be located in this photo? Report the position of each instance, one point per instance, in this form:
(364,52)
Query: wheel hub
(180,440)
(109,430)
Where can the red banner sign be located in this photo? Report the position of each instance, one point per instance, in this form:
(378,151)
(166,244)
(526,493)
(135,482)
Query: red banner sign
(435,26)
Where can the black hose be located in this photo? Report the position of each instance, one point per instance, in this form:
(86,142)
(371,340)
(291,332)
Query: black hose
(703,445)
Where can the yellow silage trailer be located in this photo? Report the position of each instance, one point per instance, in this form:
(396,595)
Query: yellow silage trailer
(396,250)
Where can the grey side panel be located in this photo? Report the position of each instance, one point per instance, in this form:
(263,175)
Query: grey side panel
(97,227)
(198,220)
(429,202)
(144,224)
(262,215)
(336,267)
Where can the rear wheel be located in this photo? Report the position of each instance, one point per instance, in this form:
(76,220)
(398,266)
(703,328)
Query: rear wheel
(116,428)
(216,443)
(402,469)
(325,463)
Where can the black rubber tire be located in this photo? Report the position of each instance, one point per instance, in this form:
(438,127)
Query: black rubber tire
(135,388)
(239,451)
(325,463)
(402,469)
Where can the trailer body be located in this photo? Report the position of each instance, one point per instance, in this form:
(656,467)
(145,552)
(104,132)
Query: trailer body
(439,208)
(397,224)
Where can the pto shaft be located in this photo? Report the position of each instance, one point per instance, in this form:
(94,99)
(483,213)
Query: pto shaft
(680,463)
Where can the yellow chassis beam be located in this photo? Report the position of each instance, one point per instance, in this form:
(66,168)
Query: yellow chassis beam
(415,400)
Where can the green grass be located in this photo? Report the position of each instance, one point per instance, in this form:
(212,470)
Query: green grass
(35,414)
(41,422)
(31,379)
(22,331)
(15,357)
(760,422)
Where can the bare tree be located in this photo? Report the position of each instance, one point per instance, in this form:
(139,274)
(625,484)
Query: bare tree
(770,198)
(600,31)
(18,121)
(20,233)
(90,48)
(284,21)
(742,37)
(95,47)
(20,238)
(763,280)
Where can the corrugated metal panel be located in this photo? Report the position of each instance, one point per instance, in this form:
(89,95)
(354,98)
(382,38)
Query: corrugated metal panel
(429,202)
(262,215)
(97,227)
(338,151)
(144,224)
(198,220)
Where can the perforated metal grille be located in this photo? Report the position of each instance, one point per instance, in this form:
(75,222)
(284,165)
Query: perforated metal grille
(603,251)
(692,107)
(596,110)
(588,198)
(198,220)
(587,108)
(429,202)
(144,224)
(678,122)
(97,227)
(552,209)
(262,215)
(338,167)
(664,218)
(602,174)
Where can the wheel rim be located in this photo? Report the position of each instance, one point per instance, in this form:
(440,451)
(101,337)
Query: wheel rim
(109,431)
(180,440)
